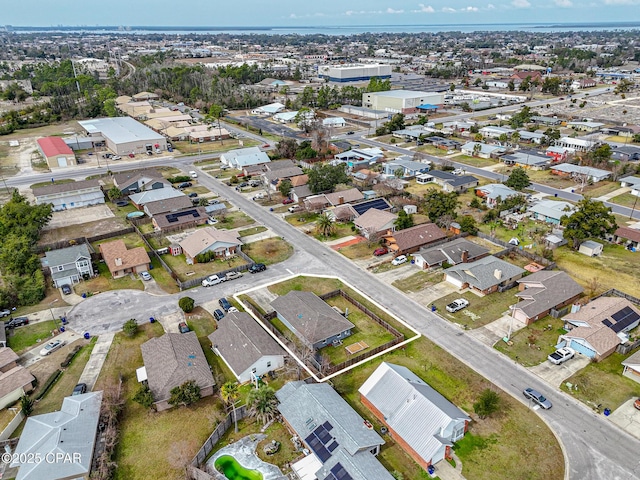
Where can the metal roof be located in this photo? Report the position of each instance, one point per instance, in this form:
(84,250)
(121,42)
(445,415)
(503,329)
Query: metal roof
(121,130)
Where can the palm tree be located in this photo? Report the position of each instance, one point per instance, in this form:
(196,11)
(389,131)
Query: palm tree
(325,225)
(229,394)
(263,404)
(476,149)
(515,136)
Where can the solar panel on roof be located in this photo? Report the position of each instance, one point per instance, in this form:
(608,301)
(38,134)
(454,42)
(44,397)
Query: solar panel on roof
(327,425)
(621,314)
(379,203)
(340,473)
(625,318)
(606,322)
(333,446)
(318,448)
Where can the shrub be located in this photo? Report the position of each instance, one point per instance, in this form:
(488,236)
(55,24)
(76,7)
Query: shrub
(185,394)
(186,304)
(488,403)
(205,257)
(67,360)
(130,327)
(53,378)
(179,179)
(144,396)
(26,403)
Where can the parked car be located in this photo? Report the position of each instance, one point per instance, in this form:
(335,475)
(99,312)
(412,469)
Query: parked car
(218,314)
(636,404)
(287,201)
(79,389)
(116,157)
(537,397)
(185,185)
(294,208)
(350,133)
(146,276)
(4,313)
(66,289)
(193,174)
(52,346)
(16,322)
(212,280)
(224,303)
(399,260)
(233,309)
(183,327)
(266,145)
(132,155)
(212,221)
(121,203)
(257,267)
(561,355)
(213,202)
(243,185)
(458,171)
(380,251)
(232,276)
(193,195)
(457,305)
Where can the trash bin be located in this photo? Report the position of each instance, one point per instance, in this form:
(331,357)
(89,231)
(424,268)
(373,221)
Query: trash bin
(62,329)
(607,412)
(63,320)
(152,320)
(431,469)
(86,336)
(84,295)
(433,308)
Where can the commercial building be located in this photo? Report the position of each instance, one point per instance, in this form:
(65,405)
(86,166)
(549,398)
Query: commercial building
(354,72)
(401,101)
(124,135)
(64,196)
(55,152)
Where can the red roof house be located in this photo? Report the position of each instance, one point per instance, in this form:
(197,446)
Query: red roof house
(56,152)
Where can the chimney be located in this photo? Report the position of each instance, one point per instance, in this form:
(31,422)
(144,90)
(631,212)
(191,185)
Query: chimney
(465,256)
(340,200)
(118,262)
(498,274)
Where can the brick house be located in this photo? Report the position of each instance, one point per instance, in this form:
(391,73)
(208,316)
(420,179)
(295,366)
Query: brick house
(121,261)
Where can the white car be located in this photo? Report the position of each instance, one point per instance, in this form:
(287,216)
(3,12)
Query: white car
(52,347)
(456,305)
(212,280)
(458,171)
(211,221)
(399,260)
(116,157)
(146,276)
(193,174)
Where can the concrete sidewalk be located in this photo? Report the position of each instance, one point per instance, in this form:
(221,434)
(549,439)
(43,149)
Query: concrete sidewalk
(615,193)
(96,360)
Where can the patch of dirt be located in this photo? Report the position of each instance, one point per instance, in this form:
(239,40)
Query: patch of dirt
(77,216)
(90,229)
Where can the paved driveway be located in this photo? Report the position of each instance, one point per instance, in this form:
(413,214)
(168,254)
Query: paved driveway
(627,417)
(556,374)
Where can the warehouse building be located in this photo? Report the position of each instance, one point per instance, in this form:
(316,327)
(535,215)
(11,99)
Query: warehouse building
(353,72)
(401,101)
(55,152)
(124,135)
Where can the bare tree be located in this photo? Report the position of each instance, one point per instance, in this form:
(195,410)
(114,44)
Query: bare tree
(582,179)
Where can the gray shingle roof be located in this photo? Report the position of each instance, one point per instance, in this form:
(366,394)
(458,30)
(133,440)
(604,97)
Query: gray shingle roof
(72,430)
(241,341)
(70,187)
(307,406)
(553,209)
(63,256)
(482,273)
(171,360)
(545,289)
(168,205)
(451,252)
(311,316)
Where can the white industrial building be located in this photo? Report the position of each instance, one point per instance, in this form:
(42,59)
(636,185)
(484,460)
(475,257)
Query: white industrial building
(401,101)
(354,72)
(124,135)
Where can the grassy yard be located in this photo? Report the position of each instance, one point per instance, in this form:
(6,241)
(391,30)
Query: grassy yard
(340,230)
(602,383)
(22,338)
(251,231)
(418,281)
(162,277)
(626,200)
(365,330)
(184,271)
(481,310)
(233,220)
(57,182)
(104,281)
(474,161)
(501,441)
(545,177)
(359,251)
(533,344)
(131,240)
(302,218)
(268,251)
(420,189)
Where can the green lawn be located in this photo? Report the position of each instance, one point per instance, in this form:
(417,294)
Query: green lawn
(474,161)
(162,277)
(104,281)
(251,231)
(340,230)
(626,200)
(359,251)
(534,343)
(235,220)
(268,251)
(301,218)
(602,383)
(418,281)
(131,240)
(481,310)
(22,338)
(184,271)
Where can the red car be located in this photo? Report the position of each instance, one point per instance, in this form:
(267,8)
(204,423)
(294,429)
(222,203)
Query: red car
(637,403)
(132,155)
(266,145)
(287,201)
(380,251)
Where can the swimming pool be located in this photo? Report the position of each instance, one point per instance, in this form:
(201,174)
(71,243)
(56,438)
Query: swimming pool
(234,471)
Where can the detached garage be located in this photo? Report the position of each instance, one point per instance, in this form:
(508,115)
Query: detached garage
(56,152)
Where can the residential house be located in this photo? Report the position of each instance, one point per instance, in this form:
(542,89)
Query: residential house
(486,275)
(286,117)
(157,195)
(519,77)
(15,380)
(64,196)
(350,195)
(294,174)
(223,243)
(492,193)
(443,143)
(69,265)
(407,166)
(270,109)
(300,193)
(558,154)
(245,347)
(68,433)
(358,158)
(626,153)
(575,144)
(122,261)
(526,159)
(423,422)
(373,223)
(448,181)
(181,219)
(170,361)
(591,248)
(486,151)
(632,367)
(596,329)
(629,236)
(589,127)
(342,444)
(242,157)
(55,152)
(633,183)
(546,121)
(550,211)
(495,132)
(531,137)
(581,83)
(334,122)
(542,292)
(168,205)
(454,252)
(139,181)
(412,239)
(568,169)
(311,319)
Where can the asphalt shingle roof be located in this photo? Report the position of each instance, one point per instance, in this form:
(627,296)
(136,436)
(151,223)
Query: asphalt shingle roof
(545,289)
(481,274)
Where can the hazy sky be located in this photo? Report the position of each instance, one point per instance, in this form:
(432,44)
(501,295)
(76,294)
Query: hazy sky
(310,13)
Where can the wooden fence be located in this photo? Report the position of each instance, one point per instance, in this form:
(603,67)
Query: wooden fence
(80,240)
(509,248)
(216,435)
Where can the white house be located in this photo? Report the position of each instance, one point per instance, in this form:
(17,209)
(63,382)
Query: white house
(334,122)
(486,151)
(245,347)
(243,157)
(270,109)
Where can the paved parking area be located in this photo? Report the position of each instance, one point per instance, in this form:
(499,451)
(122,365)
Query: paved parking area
(556,374)
(76,216)
(627,418)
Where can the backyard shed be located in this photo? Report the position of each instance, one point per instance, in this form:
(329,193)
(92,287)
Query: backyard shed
(591,248)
